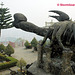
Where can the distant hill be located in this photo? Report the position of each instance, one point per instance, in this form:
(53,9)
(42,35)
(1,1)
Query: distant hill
(6,39)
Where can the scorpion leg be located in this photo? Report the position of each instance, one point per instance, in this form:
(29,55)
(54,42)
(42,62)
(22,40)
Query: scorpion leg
(58,36)
(45,38)
(54,35)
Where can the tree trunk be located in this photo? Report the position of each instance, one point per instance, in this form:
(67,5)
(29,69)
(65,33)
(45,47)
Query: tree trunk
(21,69)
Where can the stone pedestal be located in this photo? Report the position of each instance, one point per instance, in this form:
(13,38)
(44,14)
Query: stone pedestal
(66,64)
(48,59)
(37,71)
(45,65)
(55,68)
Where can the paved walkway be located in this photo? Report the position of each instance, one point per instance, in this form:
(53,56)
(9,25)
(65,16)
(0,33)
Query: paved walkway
(27,55)
(21,52)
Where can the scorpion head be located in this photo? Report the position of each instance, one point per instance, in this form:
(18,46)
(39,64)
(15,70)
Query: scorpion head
(62,16)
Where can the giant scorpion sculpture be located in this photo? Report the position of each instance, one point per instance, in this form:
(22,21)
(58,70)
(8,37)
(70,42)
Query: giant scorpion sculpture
(61,34)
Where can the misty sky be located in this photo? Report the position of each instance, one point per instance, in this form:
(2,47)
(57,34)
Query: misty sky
(36,12)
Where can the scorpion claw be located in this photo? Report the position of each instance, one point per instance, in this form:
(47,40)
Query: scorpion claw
(62,16)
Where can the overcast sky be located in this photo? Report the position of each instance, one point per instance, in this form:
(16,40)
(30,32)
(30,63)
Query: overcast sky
(36,12)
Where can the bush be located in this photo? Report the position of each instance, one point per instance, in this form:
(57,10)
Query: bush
(12,62)
(34,43)
(3,57)
(21,63)
(2,47)
(9,50)
(28,45)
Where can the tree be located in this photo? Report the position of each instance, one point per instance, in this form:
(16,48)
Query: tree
(20,42)
(5,18)
(34,43)
(21,64)
(9,50)
(27,45)
(2,47)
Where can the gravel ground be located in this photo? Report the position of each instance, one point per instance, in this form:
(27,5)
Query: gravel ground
(21,52)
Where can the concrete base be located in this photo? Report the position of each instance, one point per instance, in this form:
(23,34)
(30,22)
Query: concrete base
(37,71)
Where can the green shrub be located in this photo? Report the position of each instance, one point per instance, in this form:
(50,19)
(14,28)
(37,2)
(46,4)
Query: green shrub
(2,47)
(21,64)
(27,45)
(9,50)
(34,43)
(3,57)
(12,62)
